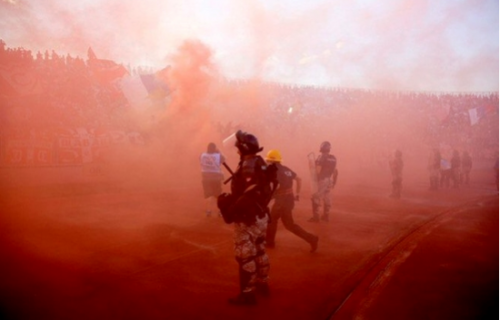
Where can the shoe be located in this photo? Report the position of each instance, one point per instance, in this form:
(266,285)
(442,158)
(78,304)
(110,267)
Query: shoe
(244,298)
(314,244)
(313,219)
(262,288)
(325,218)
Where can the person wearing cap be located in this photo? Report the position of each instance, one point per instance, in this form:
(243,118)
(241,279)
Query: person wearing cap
(326,173)
(211,176)
(284,202)
(252,185)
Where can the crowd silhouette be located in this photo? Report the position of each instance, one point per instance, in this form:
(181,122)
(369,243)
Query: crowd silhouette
(44,91)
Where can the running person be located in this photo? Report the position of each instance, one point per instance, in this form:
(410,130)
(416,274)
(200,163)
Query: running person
(284,201)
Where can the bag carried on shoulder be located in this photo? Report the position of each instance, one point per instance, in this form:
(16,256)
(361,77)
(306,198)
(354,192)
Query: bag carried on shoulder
(225,202)
(244,209)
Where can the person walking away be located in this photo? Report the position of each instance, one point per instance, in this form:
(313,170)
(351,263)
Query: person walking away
(326,170)
(252,185)
(466,167)
(211,176)
(396,166)
(284,202)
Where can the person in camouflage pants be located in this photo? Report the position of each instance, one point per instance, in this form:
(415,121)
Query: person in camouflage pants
(247,208)
(326,171)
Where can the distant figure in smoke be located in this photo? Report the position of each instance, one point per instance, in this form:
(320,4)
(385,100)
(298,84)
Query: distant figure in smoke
(446,173)
(495,168)
(326,171)
(211,176)
(252,186)
(434,169)
(466,168)
(456,167)
(284,201)
(396,165)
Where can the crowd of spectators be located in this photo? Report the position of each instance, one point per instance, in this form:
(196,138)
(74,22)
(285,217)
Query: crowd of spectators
(61,90)
(439,120)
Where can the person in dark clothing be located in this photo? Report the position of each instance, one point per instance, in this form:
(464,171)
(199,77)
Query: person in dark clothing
(456,165)
(466,168)
(284,201)
(252,185)
(326,172)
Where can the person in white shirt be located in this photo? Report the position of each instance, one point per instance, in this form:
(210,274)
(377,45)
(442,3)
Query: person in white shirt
(211,176)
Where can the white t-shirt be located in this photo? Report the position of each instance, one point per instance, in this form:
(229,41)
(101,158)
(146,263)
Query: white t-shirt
(210,162)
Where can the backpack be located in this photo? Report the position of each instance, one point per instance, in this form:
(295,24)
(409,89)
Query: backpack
(243,208)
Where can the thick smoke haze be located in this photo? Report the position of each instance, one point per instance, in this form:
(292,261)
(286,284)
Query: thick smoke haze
(395,45)
(102,205)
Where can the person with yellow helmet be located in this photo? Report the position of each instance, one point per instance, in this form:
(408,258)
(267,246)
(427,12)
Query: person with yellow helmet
(284,202)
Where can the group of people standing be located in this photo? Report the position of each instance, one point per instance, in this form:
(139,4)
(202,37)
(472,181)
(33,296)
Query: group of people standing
(443,172)
(446,173)
(254,184)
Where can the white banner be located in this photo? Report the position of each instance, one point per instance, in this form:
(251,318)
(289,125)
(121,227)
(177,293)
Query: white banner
(473,116)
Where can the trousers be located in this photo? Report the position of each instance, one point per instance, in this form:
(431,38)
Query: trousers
(282,209)
(250,253)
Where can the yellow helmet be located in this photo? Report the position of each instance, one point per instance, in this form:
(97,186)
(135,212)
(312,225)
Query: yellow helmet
(274,156)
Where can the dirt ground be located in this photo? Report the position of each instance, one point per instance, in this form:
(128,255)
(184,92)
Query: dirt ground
(102,251)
